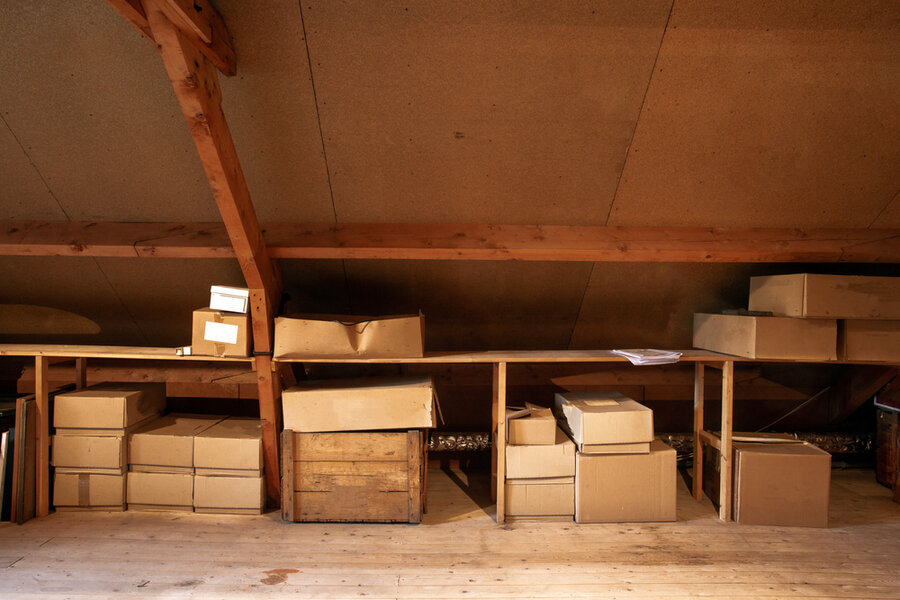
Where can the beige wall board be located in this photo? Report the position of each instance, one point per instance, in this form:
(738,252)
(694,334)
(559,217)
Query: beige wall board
(315,286)
(22,193)
(499,112)
(890,216)
(768,114)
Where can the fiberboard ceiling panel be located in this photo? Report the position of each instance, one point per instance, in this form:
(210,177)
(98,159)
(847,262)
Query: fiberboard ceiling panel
(488,112)
(23,195)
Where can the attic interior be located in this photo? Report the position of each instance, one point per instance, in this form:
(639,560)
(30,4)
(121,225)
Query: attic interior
(530,177)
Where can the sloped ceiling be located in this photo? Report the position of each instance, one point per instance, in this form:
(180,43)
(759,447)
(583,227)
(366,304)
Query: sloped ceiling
(638,113)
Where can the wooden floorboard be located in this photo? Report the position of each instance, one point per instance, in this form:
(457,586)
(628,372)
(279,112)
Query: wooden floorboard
(457,552)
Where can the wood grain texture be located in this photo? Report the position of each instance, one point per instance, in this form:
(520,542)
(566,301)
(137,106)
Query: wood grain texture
(42,434)
(699,394)
(287,475)
(329,476)
(385,446)
(725,456)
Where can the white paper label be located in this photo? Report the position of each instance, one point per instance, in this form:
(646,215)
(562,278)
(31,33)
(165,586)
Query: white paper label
(220,332)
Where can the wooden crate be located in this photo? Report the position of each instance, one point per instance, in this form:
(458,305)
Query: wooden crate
(353,476)
(887,446)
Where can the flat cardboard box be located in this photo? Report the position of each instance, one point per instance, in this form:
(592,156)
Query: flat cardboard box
(161,489)
(826,296)
(605,422)
(89,453)
(89,490)
(168,441)
(229,494)
(869,340)
(541,461)
(109,406)
(219,333)
(230,446)
(360,404)
(229,299)
(623,488)
(766,337)
(531,425)
(349,336)
(551,497)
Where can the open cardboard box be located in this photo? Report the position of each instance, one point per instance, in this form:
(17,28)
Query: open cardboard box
(530,425)
(605,422)
(349,336)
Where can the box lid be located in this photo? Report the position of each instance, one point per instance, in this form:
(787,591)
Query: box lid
(169,441)
(604,418)
(235,443)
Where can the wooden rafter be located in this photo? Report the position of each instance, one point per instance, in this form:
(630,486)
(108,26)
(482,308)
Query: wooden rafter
(456,242)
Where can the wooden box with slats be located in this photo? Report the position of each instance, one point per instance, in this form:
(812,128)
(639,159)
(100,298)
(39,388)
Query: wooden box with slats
(353,476)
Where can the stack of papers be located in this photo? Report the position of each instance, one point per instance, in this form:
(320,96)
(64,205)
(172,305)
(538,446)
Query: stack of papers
(649,356)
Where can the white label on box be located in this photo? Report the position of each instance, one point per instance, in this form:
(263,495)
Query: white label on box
(220,332)
(229,299)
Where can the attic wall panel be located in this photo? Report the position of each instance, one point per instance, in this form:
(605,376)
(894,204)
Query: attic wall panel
(22,193)
(768,114)
(890,216)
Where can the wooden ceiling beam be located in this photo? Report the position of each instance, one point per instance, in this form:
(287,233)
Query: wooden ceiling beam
(457,242)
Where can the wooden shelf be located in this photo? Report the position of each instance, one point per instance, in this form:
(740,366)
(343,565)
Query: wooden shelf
(511,356)
(130,352)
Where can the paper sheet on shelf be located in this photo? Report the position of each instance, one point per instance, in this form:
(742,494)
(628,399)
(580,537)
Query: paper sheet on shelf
(649,356)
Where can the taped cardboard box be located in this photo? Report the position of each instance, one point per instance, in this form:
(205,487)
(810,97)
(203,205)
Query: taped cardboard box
(346,336)
(167,444)
(605,422)
(109,408)
(160,491)
(219,333)
(89,453)
(826,296)
(360,404)
(549,497)
(531,425)
(88,491)
(766,337)
(623,488)
(541,461)
(869,340)
(229,495)
(230,447)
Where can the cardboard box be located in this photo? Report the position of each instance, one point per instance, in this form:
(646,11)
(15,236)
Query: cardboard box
(89,453)
(766,337)
(622,488)
(551,497)
(236,495)
(89,491)
(108,408)
(541,461)
(360,404)
(229,299)
(218,333)
(826,296)
(346,336)
(531,425)
(160,490)
(232,446)
(169,441)
(605,422)
(869,340)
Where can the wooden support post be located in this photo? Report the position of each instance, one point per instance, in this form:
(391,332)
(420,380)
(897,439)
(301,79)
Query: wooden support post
(42,398)
(699,382)
(499,455)
(80,373)
(725,484)
(270,415)
(287,475)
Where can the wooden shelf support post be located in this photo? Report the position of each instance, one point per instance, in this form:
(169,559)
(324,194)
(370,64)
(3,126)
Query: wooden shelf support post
(699,383)
(42,398)
(725,461)
(498,457)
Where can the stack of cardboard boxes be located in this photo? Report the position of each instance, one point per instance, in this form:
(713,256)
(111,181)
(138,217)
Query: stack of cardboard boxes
(228,468)
(222,328)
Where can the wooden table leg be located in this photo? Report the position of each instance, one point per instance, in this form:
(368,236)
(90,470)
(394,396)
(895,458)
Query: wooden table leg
(42,460)
(499,455)
(80,373)
(725,484)
(270,417)
(699,382)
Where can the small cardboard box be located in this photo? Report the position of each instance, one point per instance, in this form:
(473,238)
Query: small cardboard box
(232,446)
(826,296)
(345,336)
(89,491)
(229,299)
(766,337)
(531,425)
(237,495)
(551,497)
(360,404)
(605,422)
(622,488)
(89,453)
(869,340)
(109,408)
(172,491)
(541,461)
(168,442)
(218,333)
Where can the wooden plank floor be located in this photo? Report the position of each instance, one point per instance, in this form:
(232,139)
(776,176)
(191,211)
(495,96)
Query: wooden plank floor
(458,552)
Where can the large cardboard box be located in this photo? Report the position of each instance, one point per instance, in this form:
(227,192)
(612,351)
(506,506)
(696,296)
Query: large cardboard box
(531,425)
(826,296)
(230,447)
(605,422)
(869,340)
(360,404)
(231,495)
(766,337)
(551,497)
(167,444)
(108,408)
(89,453)
(622,488)
(89,491)
(347,336)
(542,460)
(219,333)
(160,491)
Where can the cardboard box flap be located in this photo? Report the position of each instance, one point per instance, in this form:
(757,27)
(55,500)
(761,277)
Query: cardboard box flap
(346,336)
(531,425)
